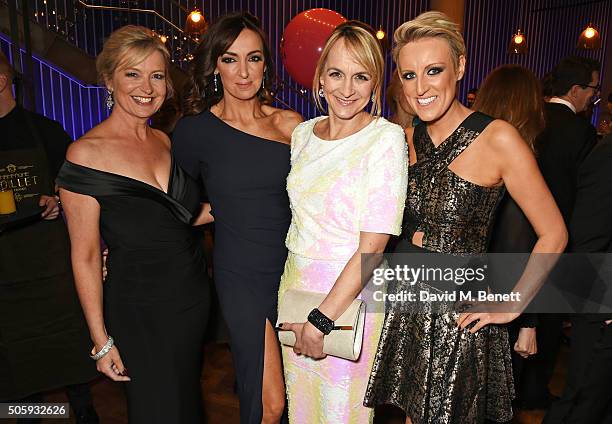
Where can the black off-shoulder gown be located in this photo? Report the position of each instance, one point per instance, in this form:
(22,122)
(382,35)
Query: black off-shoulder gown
(156,296)
(245,178)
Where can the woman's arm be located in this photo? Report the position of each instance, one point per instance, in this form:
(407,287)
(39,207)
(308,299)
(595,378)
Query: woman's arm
(350,282)
(521,175)
(83,215)
(205,217)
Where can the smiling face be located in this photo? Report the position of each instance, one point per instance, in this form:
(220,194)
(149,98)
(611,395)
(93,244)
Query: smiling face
(242,66)
(346,83)
(140,89)
(428,76)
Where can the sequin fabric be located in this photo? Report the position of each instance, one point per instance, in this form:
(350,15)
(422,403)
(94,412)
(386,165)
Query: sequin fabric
(338,188)
(436,373)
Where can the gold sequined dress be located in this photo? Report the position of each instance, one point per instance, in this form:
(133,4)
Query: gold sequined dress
(436,373)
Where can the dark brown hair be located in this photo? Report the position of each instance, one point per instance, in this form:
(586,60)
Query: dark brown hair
(513,93)
(200,94)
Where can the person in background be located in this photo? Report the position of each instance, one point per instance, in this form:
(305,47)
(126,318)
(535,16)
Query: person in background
(237,146)
(587,397)
(347,188)
(605,121)
(560,150)
(402,113)
(43,335)
(439,363)
(120,183)
(513,93)
(472,95)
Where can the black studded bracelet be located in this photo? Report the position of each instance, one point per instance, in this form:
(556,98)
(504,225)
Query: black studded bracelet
(320,321)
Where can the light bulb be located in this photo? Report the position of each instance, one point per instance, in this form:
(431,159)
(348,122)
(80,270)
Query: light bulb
(589,32)
(196,16)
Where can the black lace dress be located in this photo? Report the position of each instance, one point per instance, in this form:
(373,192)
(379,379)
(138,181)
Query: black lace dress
(424,364)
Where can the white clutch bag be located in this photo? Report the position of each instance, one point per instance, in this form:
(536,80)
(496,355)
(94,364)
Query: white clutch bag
(295,306)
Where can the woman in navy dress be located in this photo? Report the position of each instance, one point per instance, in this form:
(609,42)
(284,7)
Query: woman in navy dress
(119,182)
(238,146)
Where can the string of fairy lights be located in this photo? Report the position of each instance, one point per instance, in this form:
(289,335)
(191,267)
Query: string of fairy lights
(65,16)
(85,24)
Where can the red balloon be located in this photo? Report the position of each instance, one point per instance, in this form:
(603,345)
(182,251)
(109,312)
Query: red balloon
(303,42)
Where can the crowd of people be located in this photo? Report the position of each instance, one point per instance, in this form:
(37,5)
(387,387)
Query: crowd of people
(298,206)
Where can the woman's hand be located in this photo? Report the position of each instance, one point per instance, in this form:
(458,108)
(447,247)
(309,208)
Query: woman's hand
(104,269)
(485,313)
(111,365)
(526,344)
(52,207)
(308,339)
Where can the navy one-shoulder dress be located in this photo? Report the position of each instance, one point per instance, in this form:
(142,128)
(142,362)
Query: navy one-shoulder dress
(156,296)
(245,178)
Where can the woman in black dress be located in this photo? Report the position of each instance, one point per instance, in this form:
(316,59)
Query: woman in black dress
(238,145)
(513,93)
(120,182)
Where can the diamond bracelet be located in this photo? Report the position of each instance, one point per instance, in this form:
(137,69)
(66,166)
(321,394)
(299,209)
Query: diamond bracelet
(105,349)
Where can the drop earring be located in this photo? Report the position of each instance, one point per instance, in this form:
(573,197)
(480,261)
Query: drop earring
(109,99)
(215,83)
(321,93)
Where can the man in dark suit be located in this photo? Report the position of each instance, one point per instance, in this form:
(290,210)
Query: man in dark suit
(561,148)
(588,393)
(567,139)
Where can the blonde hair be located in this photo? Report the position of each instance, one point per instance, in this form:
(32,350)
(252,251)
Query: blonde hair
(128,46)
(428,25)
(367,52)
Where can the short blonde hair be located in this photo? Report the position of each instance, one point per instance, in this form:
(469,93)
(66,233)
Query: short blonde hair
(128,46)
(428,25)
(365,48)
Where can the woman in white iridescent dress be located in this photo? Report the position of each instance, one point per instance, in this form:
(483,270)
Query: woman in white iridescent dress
(347,188)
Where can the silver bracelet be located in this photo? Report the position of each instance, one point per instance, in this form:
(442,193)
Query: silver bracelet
(105,349)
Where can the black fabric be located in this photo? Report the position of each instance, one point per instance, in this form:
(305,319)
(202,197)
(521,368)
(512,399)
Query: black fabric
(512,233)
(245,178)
(16,135)
(587,397)
(561,148)
(156,295)
(591,225)
(41,322)
(588,394)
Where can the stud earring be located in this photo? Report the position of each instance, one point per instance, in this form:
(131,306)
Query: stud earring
(215,83)
(109,99)
(321,93)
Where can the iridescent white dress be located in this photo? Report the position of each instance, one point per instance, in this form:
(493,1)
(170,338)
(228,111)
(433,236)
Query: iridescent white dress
(337,189)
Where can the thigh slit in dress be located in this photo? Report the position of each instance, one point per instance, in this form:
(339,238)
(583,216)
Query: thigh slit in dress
(244,177)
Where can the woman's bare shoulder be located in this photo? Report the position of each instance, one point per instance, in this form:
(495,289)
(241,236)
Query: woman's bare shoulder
(88,148)
(283,119)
